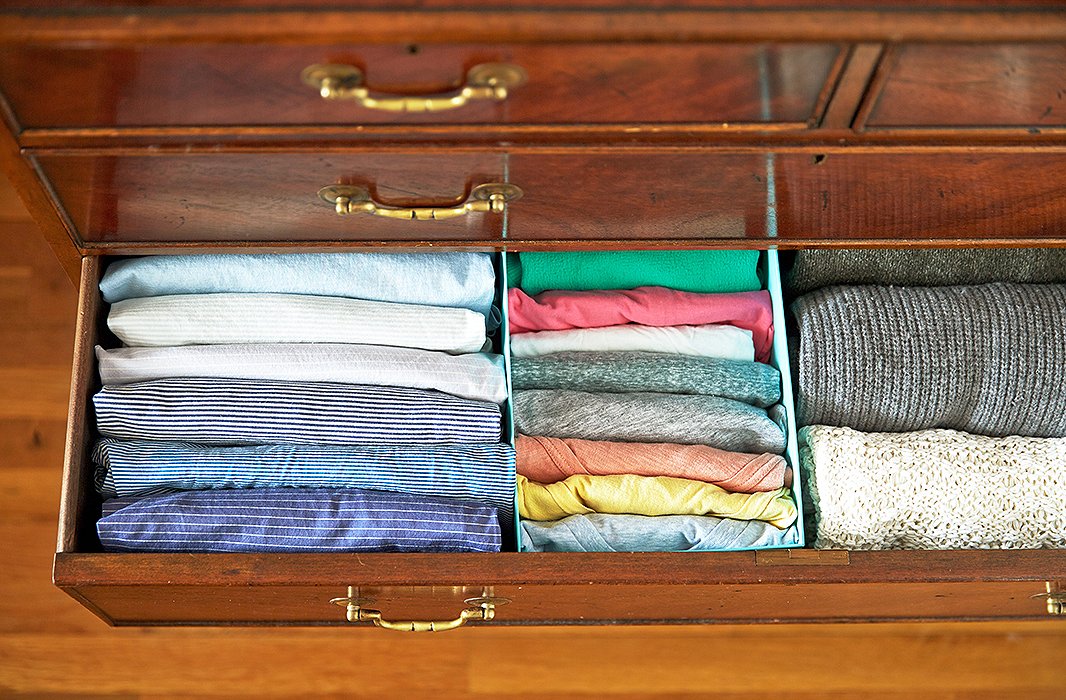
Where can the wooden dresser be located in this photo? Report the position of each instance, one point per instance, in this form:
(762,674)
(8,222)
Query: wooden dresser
(164,126)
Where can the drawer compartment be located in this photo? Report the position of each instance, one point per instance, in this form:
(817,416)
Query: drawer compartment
(1004,86)
(565,588)
(229,85)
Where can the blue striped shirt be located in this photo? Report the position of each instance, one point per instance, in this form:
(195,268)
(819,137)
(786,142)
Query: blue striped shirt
(248,412)
(482,472)
(297,520)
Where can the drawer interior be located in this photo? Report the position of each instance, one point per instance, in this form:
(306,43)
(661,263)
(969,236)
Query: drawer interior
(790,584)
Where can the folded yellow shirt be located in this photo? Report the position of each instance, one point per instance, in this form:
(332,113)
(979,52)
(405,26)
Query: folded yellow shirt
(649,495)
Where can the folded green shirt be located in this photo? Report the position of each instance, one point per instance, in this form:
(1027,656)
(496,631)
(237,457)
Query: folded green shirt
(706,271)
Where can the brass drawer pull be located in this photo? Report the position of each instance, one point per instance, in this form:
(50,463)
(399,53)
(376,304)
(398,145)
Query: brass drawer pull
(1056,599)
(481,609)
(485,81)
(492,197)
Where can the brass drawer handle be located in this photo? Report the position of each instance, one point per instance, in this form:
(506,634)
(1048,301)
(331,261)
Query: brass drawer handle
(485,81)
(481,609)
(492,197)
(1056,599)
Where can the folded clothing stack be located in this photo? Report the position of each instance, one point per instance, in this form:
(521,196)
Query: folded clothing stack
(936,414)
(647,417)
(335,402)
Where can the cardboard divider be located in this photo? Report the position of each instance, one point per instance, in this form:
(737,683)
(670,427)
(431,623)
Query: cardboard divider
(770,274)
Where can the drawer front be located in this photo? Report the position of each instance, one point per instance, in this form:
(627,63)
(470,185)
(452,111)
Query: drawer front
(987,85)
(225,84)
(569,198)
(559,588)
(569,604)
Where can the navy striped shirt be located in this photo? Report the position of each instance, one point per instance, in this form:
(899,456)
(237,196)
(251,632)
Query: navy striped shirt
(297,520)
(249,412)
(482,472)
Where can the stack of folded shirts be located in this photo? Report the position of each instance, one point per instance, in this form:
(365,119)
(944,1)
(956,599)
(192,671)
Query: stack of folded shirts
(935,411)
(646,414)
(333,402)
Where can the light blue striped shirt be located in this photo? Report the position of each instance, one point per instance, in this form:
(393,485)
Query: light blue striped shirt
(483,472)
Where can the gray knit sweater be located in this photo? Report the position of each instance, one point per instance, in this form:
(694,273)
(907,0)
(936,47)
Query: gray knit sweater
(750,382)
(647,417)
(925,267)
(986,359)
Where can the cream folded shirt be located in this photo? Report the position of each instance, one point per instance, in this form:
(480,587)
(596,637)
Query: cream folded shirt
(219,319)
(725,342)
(934,489)
(477,376)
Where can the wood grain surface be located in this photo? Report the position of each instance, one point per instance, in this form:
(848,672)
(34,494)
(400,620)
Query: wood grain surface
(49,645)
(232,84)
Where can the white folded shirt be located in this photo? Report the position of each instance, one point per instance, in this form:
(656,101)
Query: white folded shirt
(217,319)
(725,342)
(478,376)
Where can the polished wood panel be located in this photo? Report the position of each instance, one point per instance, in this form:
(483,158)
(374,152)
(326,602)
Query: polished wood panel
(267,198)
(976,85)
(232,84)
(733,21)
(921,196)
(616,196)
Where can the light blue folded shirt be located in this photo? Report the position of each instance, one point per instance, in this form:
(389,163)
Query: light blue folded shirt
(459,280)
(483,472)
(600,532)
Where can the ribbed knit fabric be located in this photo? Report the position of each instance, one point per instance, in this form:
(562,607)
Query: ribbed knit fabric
(598,532)
(685,270)
(649,495)
(646,417)
(477,376)
(218,319)
(647,306)
(481,472)
(297,520)
(725,342)
(249,412)
(620,372)
(986,359)
(934,489)
(460,280)
(910,267)
(547,460)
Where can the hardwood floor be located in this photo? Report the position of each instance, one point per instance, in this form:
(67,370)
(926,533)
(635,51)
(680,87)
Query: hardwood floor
(49,645)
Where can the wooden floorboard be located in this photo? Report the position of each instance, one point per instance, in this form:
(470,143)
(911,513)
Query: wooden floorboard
(50,645)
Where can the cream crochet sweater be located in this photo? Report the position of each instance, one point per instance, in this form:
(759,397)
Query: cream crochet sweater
(934,489)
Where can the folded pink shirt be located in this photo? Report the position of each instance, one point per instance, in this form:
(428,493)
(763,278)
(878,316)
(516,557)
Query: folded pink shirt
(648,306)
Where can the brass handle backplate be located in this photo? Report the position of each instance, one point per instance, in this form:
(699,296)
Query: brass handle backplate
(492,197)
(485,81)
(481,609)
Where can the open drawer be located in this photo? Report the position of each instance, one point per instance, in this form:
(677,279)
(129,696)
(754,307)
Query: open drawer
(516,587)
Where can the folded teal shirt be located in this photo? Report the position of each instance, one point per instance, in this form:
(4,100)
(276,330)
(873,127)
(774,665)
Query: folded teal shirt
(458,280)
(599,532)
(707,271)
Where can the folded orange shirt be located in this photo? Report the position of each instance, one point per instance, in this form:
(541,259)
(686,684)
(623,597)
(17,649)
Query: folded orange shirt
(547,460)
